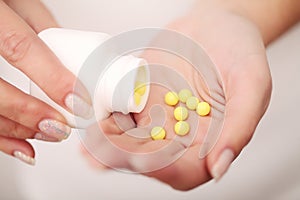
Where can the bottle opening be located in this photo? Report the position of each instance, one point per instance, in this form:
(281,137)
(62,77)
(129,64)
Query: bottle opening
(125,86)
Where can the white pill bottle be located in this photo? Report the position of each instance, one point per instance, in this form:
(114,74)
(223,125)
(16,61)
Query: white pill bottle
(116,84)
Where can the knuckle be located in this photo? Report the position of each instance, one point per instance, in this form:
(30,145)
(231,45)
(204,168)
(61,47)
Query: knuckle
(26,107)
(18,131)
(13,130)
(14,45)
(23,109)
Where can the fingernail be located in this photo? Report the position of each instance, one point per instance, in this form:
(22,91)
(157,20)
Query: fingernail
(222,164)
(43,137)
(54,129)
(24,158)
(78,106)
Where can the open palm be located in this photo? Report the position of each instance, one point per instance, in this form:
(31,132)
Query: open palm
(237,50)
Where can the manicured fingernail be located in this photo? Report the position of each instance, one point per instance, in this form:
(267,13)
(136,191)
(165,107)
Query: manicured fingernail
(78,106)
(222,164)
(43,137)
(24,158)
(54,129)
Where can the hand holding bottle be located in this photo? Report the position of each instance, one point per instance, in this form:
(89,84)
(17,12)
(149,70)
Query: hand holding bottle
(23,116)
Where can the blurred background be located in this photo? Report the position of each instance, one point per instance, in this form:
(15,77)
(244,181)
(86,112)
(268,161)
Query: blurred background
(268,168)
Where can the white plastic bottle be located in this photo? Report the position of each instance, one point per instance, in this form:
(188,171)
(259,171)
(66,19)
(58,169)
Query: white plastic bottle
(115,91)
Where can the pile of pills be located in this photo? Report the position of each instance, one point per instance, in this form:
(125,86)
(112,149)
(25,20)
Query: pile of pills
(181,113)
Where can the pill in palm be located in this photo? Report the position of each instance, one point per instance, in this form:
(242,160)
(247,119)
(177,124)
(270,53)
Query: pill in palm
(171,98)
(192,103)
(184,94)
(182,128)
(203,109)
(158,133)
(181,113)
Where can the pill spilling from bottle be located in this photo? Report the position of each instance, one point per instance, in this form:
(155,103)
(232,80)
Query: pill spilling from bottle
(139,92)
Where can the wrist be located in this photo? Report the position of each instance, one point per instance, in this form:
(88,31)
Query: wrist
(272,17)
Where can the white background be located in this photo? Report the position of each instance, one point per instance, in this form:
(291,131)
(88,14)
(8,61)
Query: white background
(267,169)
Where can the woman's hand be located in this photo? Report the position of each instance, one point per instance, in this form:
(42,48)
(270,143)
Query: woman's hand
(234,34)
(23,116)
(236,47)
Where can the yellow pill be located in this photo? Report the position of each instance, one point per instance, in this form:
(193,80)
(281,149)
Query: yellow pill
(140,88)
(158,133)
(171,98)
(181,113)
(184,95)
(137,98)
(203,109)
(192,103)
(182,128)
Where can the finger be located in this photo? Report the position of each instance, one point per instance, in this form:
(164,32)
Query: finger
(11,129)
(31,113)
(117,123)
(248,98)
(173,161)
(166,160)
(34,13)
(20,149)
(21,47)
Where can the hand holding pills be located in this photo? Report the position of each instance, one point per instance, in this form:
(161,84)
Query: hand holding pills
(235,43)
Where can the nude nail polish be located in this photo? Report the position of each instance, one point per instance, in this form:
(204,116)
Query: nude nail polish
(78,106)
(223,163)
(43,137)
(24,158)
(54,129)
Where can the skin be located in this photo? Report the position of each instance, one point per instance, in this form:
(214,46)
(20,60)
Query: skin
(21,47)
(234,35)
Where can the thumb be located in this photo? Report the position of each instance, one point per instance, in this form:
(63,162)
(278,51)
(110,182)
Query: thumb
(248,96)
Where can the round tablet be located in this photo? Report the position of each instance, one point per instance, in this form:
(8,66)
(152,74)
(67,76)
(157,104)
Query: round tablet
(158,133)
(182,128)
(203,109)
(171,98)
(140,88)
(137,98)
(192,103)
(184,95)
(181,113)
